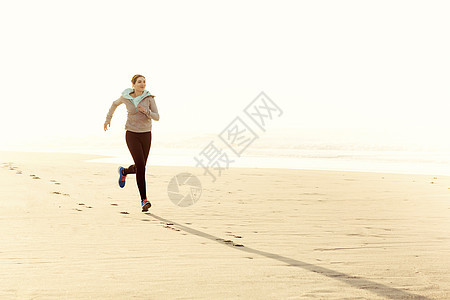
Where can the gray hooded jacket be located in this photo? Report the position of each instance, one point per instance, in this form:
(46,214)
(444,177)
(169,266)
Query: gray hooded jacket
(136,121)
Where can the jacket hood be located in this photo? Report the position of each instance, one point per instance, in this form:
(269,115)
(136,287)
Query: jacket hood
(126,95)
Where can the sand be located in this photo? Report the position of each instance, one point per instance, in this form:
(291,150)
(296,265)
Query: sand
(67,231)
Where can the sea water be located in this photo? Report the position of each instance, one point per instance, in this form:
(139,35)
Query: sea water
(403,162)
(289,150)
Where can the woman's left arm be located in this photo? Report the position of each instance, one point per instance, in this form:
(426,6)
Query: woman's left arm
(152,111)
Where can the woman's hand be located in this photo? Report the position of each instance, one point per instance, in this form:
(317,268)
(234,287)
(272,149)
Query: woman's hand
(105,126)
(141,109)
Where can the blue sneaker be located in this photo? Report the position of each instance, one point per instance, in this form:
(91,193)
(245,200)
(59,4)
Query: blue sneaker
(121,177)
(145,205)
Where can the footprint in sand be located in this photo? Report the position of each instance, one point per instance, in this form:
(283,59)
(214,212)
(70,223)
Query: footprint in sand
(114,204)
(9,166)
(230,243)
(59,193)
(233,235)
(124,213)
(82,204)
(176,229)
(169,225)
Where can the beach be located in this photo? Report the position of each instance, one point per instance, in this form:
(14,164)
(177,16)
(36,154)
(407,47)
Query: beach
(68,231)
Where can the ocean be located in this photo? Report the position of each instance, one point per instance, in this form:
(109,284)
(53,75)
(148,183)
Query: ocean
(400,162)
(279,149)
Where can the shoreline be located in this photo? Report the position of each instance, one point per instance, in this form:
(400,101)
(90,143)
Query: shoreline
(120,159)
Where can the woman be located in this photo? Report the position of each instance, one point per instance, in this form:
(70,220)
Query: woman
(141,109)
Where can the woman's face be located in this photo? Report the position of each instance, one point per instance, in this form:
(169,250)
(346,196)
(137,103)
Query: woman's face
(139,86)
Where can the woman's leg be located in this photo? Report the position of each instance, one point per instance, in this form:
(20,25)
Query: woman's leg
(135,147)
(132,142)
(147,143)
(139,146)
(145,140)
(130,170)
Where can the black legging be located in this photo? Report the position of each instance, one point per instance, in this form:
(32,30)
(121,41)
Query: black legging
(139,145)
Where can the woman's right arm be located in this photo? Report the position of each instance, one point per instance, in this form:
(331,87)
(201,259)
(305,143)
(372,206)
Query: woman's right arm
(111,112)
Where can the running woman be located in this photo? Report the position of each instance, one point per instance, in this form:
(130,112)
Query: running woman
(141,107)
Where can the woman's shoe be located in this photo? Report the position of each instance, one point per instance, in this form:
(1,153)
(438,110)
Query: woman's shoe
(121,177)
(145,205)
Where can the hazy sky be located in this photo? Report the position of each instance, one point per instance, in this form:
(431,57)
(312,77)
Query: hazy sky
(328,64)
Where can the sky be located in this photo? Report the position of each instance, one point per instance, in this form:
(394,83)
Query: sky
(335,66)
